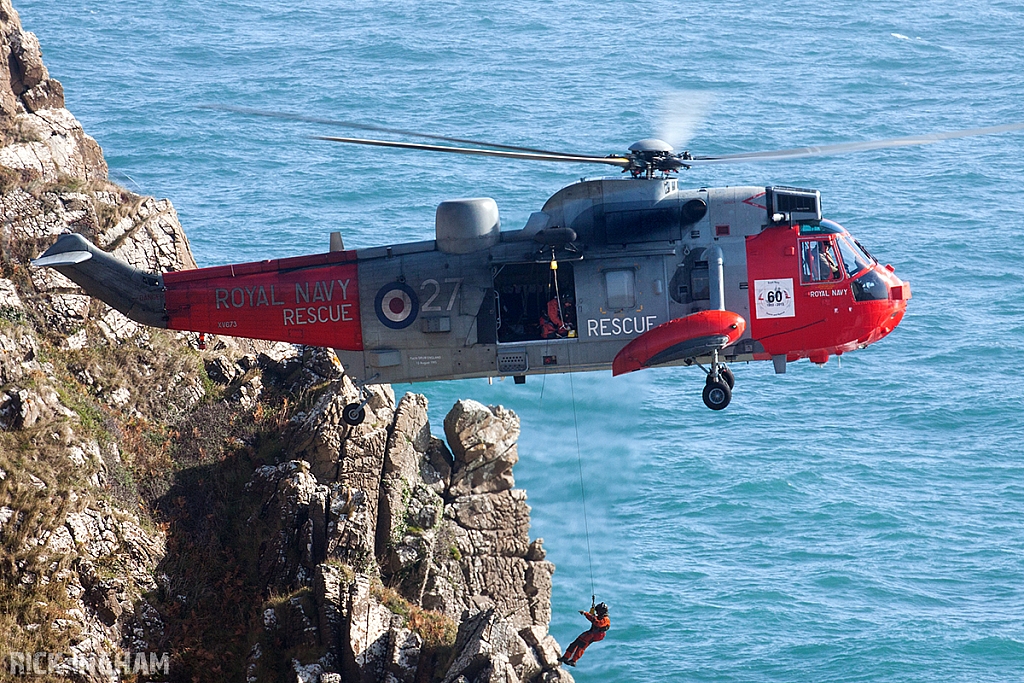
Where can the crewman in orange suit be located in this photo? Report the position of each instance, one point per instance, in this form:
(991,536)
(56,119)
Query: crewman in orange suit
(599,624)
(551,325)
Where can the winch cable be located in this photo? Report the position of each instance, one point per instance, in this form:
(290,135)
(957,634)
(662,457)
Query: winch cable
(583,491)
(576,424)
(558,296)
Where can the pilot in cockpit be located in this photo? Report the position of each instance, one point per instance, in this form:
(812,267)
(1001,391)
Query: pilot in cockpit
(819,262)
(829,264)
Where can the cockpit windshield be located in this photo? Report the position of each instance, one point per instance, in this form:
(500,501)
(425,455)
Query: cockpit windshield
(855,259)
(865,252)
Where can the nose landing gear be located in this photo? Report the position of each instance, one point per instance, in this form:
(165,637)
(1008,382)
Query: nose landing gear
(719,384)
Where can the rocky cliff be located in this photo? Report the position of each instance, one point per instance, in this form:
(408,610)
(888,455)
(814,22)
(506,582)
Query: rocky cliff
(168,513)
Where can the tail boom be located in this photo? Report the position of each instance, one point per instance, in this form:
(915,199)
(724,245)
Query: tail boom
(135,293)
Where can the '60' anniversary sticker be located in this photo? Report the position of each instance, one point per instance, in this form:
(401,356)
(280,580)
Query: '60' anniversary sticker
(774,298)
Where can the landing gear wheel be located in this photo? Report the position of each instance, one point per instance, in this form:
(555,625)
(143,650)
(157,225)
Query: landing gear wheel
(354,414)
(717,395)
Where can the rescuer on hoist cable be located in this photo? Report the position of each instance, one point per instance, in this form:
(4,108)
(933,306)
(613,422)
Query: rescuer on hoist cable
(599,624)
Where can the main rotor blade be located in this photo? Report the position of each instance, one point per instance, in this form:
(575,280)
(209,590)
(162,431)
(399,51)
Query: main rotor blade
(285,116)
(846,147)
(621,162)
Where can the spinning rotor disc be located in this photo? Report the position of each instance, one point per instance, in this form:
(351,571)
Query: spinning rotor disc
(645,157)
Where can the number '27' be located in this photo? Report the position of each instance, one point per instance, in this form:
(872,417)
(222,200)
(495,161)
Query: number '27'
(429,305)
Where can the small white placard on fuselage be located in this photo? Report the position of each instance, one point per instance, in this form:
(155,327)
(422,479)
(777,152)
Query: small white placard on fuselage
(774,298)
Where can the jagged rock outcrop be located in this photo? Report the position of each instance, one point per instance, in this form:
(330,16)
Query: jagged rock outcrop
(59,523)
(443,533)
(43,141)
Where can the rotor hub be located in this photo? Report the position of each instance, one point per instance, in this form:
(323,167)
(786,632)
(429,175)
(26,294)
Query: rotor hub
(650,155)
(651,145)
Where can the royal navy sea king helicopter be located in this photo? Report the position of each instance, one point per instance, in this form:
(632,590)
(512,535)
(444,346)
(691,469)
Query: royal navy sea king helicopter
(620,273)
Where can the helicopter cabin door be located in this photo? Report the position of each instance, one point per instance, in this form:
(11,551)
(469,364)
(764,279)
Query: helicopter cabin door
(535,303)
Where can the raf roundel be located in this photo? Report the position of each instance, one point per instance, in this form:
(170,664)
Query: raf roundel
(396,305)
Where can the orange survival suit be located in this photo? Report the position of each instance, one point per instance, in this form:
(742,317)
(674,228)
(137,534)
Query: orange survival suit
(551,325)
(599,624)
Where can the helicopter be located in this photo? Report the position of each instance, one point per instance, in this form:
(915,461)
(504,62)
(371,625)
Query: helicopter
(620,273)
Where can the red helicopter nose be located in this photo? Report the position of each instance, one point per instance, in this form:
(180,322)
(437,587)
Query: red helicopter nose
(891,313)
(881,303)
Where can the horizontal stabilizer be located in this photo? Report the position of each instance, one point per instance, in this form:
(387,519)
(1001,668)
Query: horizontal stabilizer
(692,336)
(68,258)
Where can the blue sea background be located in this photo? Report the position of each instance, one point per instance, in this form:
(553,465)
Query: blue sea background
(853,523)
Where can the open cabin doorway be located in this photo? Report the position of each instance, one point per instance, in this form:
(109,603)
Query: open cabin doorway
(535,302)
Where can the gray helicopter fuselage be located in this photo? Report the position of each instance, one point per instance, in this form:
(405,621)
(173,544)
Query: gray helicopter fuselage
(640,258)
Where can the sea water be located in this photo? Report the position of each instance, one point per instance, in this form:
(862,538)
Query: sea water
(853,523)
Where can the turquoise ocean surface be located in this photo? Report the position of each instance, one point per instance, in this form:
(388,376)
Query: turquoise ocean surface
(853,523)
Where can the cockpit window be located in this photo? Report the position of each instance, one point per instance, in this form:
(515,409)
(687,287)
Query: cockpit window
(819,262)
(854,259)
